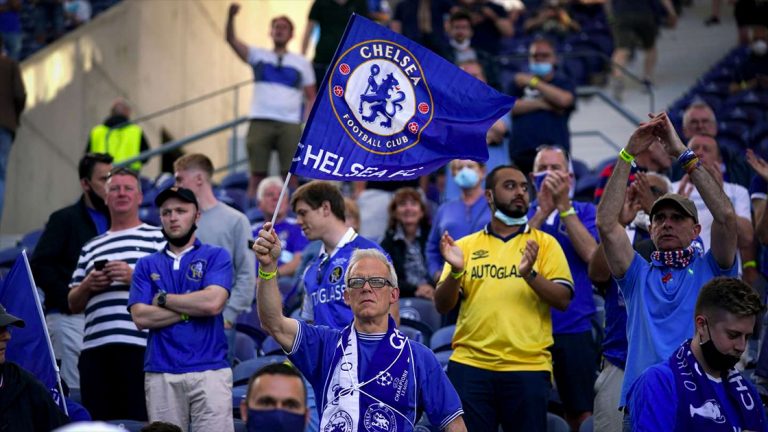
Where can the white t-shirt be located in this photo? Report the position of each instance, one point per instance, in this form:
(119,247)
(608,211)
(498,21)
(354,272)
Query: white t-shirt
(278,88)
(739,197)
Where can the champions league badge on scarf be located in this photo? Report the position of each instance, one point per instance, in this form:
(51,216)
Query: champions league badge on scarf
(390,109)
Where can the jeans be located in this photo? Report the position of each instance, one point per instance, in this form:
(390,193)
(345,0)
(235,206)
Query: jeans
(6,140)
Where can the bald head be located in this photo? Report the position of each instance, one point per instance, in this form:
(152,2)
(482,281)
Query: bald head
(120,107)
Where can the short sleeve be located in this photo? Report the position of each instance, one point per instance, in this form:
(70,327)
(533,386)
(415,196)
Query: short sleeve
(733,271)
(652,400)
(308,77)
(255,55)
(141,285)
(437,395)
(758,188)
(741,203)
(631,278)
(219,271)
(551,262)
(79,273)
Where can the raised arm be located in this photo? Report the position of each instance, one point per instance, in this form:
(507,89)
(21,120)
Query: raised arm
(237,45)
(618,249)
(268,298)
(761,221)
(447,292)
(723,241)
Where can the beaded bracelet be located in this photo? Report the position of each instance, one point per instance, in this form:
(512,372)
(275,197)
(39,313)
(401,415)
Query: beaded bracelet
(688,161)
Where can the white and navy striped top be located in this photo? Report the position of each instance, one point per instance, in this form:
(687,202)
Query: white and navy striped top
(106,315)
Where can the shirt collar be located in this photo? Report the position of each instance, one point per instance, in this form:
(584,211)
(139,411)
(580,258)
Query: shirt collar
(346,238)
(400,233)
(195,245)
(526,229)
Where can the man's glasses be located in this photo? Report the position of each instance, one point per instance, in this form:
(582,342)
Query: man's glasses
(374,282)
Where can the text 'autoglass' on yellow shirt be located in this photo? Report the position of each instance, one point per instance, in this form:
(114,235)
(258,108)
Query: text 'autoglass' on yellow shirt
(503,324)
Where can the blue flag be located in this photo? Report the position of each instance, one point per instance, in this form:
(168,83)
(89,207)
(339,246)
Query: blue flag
(29,347)
(390,109)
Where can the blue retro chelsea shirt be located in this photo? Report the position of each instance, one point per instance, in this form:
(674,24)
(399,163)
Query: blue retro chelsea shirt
(198,344)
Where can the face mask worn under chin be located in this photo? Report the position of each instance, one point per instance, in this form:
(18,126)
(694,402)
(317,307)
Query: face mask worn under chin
(540,69)
(181,241)
(507,219)
(714,358)
(466,178)
(274,420)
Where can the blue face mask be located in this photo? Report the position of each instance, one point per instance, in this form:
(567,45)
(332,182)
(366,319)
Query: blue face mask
(466,178)
(274,420)
(538,179)
(540,69)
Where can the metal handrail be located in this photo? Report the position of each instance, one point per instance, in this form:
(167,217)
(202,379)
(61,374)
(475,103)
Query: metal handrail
(173,145)
(505,59)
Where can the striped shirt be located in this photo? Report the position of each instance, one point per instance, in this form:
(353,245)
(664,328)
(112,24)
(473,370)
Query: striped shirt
(106,315)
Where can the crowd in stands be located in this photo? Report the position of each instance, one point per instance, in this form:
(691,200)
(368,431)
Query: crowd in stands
(526,293)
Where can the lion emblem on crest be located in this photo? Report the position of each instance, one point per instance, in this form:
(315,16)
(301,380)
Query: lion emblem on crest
(380,101)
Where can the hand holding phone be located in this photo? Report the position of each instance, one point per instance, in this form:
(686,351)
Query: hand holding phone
(99,265)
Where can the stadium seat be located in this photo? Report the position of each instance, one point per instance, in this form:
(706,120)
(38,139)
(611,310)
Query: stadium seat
(245,347)
(237,180)
(30,239)
(128,425)
(238,393)
(249,324)
(413,334)
(443,357)
(271,347)
(422,310)
(243,371)
(556,423)
(588,425)
(441,339)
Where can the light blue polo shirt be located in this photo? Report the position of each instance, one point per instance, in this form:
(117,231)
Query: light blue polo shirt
(660,302)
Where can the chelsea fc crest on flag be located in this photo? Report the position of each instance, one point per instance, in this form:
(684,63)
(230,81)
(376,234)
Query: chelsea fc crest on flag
(389,109)
(380,97)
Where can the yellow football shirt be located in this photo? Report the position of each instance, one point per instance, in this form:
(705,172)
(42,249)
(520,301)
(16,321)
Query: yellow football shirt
(503,324)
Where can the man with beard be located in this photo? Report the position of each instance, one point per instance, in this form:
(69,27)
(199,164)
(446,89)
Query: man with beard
(660,295)
(508,276)
(55,258)
(178,293)
(113,348)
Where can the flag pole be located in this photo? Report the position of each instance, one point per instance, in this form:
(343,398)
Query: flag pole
(45,330)
(280,199)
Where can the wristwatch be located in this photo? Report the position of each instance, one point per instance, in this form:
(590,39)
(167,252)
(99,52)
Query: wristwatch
(531,276)
(162,298)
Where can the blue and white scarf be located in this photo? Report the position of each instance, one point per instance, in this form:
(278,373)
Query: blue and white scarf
(380,400)
(698,408)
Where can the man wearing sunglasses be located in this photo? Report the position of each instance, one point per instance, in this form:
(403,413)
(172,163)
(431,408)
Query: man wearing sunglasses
(367,376)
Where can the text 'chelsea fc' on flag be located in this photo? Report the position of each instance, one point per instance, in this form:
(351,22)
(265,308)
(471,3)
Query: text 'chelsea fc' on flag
(390,109)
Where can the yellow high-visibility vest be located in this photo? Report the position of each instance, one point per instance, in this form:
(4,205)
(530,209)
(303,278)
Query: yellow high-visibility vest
(124,143)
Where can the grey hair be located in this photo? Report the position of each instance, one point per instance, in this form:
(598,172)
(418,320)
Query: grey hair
(267,182)
(697,104)
(360,254)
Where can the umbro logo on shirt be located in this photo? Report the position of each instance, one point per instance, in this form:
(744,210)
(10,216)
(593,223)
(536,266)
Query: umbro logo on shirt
(479,254)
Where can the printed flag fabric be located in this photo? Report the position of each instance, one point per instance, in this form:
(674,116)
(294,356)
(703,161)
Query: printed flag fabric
(390,109)
(30,346)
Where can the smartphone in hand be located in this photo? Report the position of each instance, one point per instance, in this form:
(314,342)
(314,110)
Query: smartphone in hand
(99,265)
